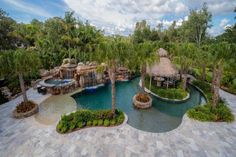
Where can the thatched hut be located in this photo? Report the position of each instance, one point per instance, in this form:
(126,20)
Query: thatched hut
(163,71)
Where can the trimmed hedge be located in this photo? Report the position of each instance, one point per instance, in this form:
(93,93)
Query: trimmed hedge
(89,118)
(205,113)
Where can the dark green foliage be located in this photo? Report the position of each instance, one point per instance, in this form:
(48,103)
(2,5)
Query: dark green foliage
(204,86)
(170,93)
(106,122)
(2,98)
(205,113)
(83,118)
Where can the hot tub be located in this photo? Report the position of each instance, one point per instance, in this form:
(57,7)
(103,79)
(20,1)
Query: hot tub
(58,86)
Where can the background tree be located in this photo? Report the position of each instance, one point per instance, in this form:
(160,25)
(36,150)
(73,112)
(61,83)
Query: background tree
(196,25)
(21,63)
(6,27)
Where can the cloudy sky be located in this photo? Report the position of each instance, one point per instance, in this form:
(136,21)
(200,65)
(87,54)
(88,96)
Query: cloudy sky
(120,16)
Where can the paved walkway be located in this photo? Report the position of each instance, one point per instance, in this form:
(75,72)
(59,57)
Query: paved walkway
(27,138)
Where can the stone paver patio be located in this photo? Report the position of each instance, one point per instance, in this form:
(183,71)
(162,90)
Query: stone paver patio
(27,138)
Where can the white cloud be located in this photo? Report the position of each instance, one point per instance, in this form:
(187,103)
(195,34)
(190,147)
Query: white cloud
(222,6)
(217,7)
(28,8)
(168,23)
(123,14)
(223,22)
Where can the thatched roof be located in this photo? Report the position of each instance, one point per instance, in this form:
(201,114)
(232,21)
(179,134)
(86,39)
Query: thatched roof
(163,68)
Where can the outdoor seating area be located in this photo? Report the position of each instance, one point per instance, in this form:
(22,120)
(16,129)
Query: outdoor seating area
(163,73)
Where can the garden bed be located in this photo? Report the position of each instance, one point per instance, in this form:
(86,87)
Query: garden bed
(221,113)
(24,110)
(88,118)
(172,94)
(142,101)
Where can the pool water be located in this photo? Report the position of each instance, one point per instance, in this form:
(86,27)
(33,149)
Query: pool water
(161,117)
(57,82)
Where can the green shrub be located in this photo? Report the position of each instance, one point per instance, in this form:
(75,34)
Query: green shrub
(80,124)
(62,127)
(95,122)
(79,118)
(106,122)
(120,119)
(89,123)
(100,122)
(206,113)
(72,125)
(113,122)
(204,86)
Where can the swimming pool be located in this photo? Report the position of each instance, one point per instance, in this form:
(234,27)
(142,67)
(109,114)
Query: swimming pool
(161,117)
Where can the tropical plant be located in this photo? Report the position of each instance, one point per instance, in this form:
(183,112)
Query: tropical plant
(144,56)
(20,62)
(220,52)
(112,52)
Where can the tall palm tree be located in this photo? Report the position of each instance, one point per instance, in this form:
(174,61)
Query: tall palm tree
(112,51)
(184,57)
(220,52)
(19,62)
(144,56)
(202,60)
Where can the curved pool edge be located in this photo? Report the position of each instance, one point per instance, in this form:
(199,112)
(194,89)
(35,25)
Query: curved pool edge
(201,91)
(182,120)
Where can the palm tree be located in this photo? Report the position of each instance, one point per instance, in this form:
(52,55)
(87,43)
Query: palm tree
(112,51)
(144,56)
(220,52)
(19,62)
(184,57)
(202,60)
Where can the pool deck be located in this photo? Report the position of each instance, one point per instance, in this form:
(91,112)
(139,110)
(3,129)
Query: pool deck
(27,137)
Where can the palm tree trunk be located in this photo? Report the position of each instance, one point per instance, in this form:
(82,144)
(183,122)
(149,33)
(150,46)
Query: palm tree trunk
(181,73)
(203,72)
(113,87)
(143,73)
(184,85)
(213,79)
(22,86)
(216,86)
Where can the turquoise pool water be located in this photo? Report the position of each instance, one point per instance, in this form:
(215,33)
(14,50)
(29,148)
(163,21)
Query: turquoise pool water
(161,117)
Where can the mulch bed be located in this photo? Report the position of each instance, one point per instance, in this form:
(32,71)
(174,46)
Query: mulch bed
(23,109)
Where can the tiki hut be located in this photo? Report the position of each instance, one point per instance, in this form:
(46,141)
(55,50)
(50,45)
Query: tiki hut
(164,72)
